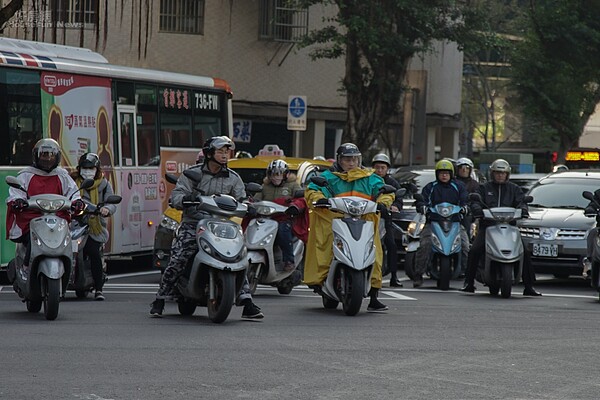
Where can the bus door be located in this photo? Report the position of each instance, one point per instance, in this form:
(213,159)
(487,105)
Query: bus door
(127,238)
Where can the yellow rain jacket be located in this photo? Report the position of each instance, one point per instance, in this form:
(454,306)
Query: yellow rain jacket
(356,182)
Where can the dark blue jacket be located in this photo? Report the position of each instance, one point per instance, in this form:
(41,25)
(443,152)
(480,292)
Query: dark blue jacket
(436,192)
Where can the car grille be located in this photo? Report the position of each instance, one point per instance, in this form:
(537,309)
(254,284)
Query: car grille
(563,234)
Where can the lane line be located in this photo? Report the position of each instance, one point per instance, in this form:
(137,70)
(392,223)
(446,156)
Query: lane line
(398,295)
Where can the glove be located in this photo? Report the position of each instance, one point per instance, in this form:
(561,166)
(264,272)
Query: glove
(251,212)
(292,211)
(77,206)
(588,212)
(188,197)
(385,213)
(476,210)
(19,205)
(464,210)
(524,214)
(322,203)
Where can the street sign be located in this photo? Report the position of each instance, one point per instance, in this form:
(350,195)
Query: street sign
(297,113)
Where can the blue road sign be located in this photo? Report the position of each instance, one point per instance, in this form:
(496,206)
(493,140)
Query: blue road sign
(297,107)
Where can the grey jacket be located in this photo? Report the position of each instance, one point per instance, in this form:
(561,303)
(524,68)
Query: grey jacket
(104,190)
(225,181)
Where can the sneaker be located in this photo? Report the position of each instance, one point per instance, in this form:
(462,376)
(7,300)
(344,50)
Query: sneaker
(418,282)
(252,311)
(376,306)
(158,306)
(98,296)
(468,288)
(289,266)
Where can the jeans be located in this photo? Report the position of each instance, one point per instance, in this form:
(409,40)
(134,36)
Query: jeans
(92,249)
(284,241)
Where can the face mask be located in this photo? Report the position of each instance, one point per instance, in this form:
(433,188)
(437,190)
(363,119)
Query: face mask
(88,173)
(276,179)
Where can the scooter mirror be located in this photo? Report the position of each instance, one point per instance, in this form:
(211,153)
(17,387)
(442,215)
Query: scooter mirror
(299,193)
(528,199)
(194,175)
(319,181)
(388,189)
(588,195)
(171,178)
(476,197)
(253,188)
(12,181)
(86,184)
(113,199)
(418,197)
(400,193)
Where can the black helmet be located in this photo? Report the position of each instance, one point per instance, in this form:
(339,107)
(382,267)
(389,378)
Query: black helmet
(348,150)
(89,160)
(214,143)
(46,146)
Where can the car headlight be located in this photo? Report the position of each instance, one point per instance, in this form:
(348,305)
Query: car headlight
(169,223)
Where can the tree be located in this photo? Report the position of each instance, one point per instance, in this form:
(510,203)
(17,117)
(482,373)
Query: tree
(378,39)
(555,67)
(7,12)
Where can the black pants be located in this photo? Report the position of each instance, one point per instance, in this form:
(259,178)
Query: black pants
(92,250)
(478,251)
(390,245)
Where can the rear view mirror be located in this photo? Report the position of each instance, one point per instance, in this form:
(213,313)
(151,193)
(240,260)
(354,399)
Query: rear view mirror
(528,199)
(319,181)
(475,197)
(171,178)
(192,174)
(253,188)
(113,199)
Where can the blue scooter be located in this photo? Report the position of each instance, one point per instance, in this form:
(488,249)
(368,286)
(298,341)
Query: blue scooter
(446,240)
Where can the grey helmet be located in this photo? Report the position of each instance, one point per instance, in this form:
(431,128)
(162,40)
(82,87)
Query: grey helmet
(382,158)
(500,165)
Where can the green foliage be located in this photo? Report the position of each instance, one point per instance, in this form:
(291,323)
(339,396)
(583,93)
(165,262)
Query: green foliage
(556,66)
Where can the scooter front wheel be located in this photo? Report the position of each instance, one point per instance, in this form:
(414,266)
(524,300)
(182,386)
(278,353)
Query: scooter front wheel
(330,304)
(51,296)
(354,286)
(224,289)
(445,272)
(507,280)
(34,306)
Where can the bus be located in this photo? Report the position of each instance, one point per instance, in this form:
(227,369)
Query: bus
(142,124)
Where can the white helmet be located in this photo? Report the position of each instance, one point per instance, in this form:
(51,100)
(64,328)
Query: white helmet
(465,161)
(500,165)
(278,167)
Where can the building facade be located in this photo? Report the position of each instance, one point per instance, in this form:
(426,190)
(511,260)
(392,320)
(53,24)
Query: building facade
(252,45)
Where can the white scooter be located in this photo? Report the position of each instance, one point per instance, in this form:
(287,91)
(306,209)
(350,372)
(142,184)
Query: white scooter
(216,274)
(51,256)
(349,278)
(82,281)
(265,258)
(504,252)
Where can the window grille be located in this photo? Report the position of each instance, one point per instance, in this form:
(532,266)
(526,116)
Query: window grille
(73,13)
(282,21)
(182,16)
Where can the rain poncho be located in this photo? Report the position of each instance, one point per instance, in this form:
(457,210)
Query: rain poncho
(356,182)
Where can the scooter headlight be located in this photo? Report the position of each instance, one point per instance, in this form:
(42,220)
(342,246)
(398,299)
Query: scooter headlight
(265,210)
(415,228)
(456,243)
(436,241)
(169,223)
(224,231)
(341,244)
(268,239)
(50,205)
(355,208)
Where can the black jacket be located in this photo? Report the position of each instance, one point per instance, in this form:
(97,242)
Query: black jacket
(389,180)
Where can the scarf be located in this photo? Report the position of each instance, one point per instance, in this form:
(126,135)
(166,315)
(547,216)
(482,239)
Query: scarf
(94,221)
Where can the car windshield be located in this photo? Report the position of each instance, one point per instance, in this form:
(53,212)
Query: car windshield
(562,193)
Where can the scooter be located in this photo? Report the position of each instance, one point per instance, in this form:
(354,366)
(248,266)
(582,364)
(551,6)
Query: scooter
(81,280)
(215,275)
(349,277)
(411,240)
(445,237)
(504,252)
(51,256)
(266,262)
(595,259)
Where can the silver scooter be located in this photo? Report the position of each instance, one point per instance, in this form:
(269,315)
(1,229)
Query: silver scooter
(265,258)
(81,280)
(349,278)
(504,252)
(51,256)
(215,275)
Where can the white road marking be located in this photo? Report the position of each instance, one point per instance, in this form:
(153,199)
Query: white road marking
(398,295)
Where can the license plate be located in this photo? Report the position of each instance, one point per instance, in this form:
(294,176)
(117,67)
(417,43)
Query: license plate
(545,250)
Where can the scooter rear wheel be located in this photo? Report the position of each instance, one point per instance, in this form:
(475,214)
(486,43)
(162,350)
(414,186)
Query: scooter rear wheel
(34,306)
(82,294)
(330,304)
(186,308)
(409,264)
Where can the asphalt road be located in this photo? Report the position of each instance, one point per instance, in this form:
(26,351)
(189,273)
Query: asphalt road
(431,344)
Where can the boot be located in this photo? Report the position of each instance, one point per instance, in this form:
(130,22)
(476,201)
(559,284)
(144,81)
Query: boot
(394,282)
(375,305)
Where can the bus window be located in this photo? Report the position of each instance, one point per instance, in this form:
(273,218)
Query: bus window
(127,136)
(175,130)
(147,141)
(204,128)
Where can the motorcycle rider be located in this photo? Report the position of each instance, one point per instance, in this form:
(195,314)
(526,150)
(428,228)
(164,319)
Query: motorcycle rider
(445,189)
(43,177)
(346,177)
(497,192)
(381,164)
(464,171)
(88,167)
(279,185)
(216,178)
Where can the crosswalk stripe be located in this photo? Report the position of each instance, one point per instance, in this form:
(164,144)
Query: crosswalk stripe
(398,295)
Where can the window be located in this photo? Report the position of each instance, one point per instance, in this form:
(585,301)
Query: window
(175,130)
(182,16)
(282,20)
(73,13)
